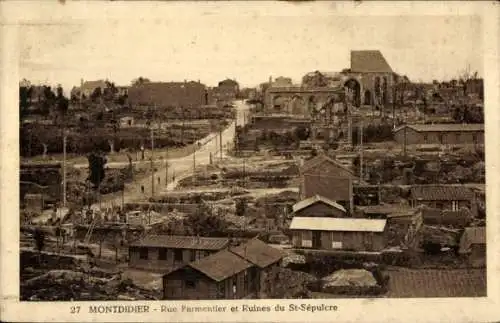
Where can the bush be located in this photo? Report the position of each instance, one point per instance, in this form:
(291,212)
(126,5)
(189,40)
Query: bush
(241,207)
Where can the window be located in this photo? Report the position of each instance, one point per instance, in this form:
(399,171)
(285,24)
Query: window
(143,253)
(162,254)
(426,138)
(193,255)
(336,244)
(454,205)
(441,138)
(190,283)
(178,255)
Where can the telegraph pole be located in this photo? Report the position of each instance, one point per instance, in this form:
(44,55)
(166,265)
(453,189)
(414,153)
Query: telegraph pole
(152,156)
(361,151)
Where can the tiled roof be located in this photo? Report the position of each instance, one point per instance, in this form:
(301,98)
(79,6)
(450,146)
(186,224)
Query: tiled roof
(314,199)
(365,61)
(182,242)
(444,127)
(441,193)
(258,253)
(221,265)
(472,235)
(337,224)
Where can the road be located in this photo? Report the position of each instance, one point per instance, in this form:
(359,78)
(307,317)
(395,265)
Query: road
(181,167)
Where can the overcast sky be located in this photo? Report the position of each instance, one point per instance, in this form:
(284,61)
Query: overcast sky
(248,42)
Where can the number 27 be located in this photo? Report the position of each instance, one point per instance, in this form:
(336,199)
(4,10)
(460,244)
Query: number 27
(74,309)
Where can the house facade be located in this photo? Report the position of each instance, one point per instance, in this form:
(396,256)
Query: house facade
(338,234)
(443,197)
(444,134)
(326,177)
(163,252)
(265,258)
(168,94)
(223,275)
(318,206)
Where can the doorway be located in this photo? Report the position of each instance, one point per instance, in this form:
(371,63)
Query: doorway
(316,239)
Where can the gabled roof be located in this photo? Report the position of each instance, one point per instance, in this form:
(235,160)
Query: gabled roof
(444,127)
(221,265)
(311,163)
(314,199)
(366,61)
(338,224)
(258,253)
(182,242)
(441,193)
(471,236)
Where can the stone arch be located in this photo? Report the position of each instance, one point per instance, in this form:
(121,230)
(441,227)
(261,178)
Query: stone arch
(368,98)
(279,103)
(298,105)
(312,105)
(353,91)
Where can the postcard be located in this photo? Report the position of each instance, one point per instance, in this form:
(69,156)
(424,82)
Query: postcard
(249,161)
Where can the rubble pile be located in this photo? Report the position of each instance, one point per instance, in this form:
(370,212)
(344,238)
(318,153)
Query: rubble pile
(440,235)
(57,285)
(349,277)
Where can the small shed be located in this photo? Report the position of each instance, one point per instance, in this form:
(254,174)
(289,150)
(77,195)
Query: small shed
(264,257)
(223,275)
(162,252)
(348,234)
(446,197)
(318,206)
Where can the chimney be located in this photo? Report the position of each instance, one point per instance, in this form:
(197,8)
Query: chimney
(270,79)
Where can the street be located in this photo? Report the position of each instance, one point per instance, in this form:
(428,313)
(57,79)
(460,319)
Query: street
(181,167)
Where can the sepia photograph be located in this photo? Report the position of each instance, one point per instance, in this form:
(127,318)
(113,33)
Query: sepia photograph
(216,151)
(347,170)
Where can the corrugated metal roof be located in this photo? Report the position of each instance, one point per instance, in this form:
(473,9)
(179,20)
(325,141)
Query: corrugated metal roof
(259,253)
(441,193)
(314,199)
(444,127)
(366,61)
(182,242)
(338,224)
(221,265)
